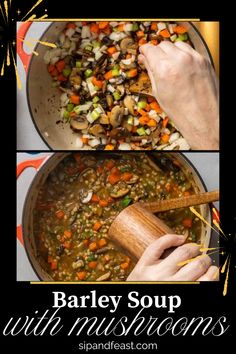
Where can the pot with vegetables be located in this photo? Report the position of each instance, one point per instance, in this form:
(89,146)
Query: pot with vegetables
(74,199)
(83,93)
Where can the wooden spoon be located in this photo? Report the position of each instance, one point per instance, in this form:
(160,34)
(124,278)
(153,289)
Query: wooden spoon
(136,227)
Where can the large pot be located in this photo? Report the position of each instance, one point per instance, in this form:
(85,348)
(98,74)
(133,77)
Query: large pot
(43,167)
(44,101)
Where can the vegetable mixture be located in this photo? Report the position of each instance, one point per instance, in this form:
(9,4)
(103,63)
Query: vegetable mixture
(82,196)
(96,67)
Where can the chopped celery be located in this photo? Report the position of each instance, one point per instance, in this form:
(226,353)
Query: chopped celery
(116,95)
(116,71)
(96,99)
(66,72)
(70,107)
(55,84)
(141,131)
(88,73)
(89,48)
(135,27)
(95,105)
(78,64)
(96,44)
(131,120)
(182,37)
(95,114)
(142,104)
(66,115)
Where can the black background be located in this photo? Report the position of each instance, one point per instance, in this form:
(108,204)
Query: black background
(20,299)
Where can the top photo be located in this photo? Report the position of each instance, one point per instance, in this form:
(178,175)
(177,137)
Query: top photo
(118,85)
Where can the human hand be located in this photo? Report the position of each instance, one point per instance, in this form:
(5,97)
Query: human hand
(185,85)
(151,267)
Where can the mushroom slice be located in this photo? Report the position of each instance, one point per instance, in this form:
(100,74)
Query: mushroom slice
(85,196)
(89,161)
(120,190)
(78,264)
(79,123)
(133,180)
(126,43)
(116,116)
(97,130)
(104,119)
(129,103)
(109,99)
(103,277)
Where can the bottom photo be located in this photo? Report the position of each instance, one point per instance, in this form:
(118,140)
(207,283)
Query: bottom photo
(117,216)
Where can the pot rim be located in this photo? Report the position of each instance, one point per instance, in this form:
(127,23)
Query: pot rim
(32,59)
(48,161)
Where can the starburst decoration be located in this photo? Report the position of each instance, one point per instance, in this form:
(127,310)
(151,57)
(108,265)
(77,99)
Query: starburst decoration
(7,40)
(226,251)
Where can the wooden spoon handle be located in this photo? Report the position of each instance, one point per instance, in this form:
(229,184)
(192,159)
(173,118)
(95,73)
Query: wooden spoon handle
(183,202)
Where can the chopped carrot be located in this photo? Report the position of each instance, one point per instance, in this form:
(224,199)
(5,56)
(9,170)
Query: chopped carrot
(84,23)
(77,156)
(126,176)
(152,123)
(108,75)
(74,99)
(60,65)
(154,41)
(150,99)
(134,129)
(93,246)
(132,73)
(186,193)
(62,239)
(103,203)
(61,78)
(102,242)
(98,83)
(110,164)
(67,245)
(72,114)
(92,264)
(128,56)
(154,105)
(71,25)
(54,72)
(165,33)
(86,242)
(60,214)
(53,265)
(51,68)
(94,28)
(121,28)
(187,222)
(107,30)
(67,233)
(85,140)
(103,24)
(109,147)
(165,122)
(81,275)
(147,108)
(111,50)
(142,41)
(154,26)
(180,29)
(113,178)
(124,265)
(95,198)
(50,259)
(97,226)
(142,112)
(140,34)
(110,199)
(165,138)
(144,120)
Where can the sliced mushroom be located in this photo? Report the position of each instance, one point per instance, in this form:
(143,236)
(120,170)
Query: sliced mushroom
(102,250)
(129,103)
(75,78)
(118,133)
(79,123)
(127,126)
(97,130)
(126,43)
(104,119)
(133,180)
(120,190)
(89,161)
(85,196)
(78,264)
(116,116)
(109,99)
(121,89)
(103,277)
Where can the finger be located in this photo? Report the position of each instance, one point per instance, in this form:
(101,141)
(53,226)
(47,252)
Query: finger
(193,270)
(153,54)
(154,251)
(181,254)
(185,47)
(212,274)
(169,48)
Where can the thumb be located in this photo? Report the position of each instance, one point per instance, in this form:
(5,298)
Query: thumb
(143,60)
(155,250)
